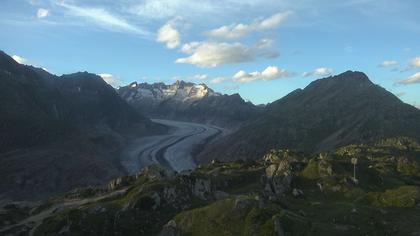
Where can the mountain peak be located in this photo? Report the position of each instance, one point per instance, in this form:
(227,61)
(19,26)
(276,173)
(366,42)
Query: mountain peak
(329,113)
(158,92)
(182,83)
(344,81)
(354,75)
(188,101)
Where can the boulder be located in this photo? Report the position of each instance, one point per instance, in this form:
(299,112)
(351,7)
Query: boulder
(243,205)
(278,177)
(324,168)
(157,172)
(170,229)
(202,188)
(278,229)
(275,156)
(297,193)
(120,182)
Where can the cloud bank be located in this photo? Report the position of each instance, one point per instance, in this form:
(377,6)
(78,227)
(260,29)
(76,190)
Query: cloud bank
(414,79)
(388,63)
(235,31)
(19,59)
(212,54)
(103,18)
(270,73)
(110,79)
(169,35)
(318,72)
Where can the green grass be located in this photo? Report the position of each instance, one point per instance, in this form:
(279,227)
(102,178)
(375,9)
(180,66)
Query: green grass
(404,196)
(311,170)
(384,202)
(223,218)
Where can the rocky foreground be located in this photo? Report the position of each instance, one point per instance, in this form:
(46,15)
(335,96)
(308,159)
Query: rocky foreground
(284,193)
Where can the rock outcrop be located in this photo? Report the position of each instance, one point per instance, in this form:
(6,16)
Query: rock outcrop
(278,177)
(170,229)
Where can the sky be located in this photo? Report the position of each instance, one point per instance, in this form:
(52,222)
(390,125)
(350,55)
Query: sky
(261,49)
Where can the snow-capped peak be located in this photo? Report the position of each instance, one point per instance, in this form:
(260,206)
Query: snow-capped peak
(179,91)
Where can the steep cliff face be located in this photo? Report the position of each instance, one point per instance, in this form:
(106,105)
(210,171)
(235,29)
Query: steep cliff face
(188,102)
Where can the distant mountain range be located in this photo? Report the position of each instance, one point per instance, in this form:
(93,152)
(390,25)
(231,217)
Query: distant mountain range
(189,102)
(57,133)
(327,114)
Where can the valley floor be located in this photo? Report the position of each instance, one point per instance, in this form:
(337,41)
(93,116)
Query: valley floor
(174,150)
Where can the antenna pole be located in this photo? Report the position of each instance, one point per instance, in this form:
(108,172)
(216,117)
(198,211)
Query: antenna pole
(354,162)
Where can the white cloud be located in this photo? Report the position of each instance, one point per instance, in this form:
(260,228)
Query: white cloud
(203,78)
(42,13)
(274,20)
(169,35)
(19,59)
(218,80)
(264,43)
(212,54)
(229,32)
(273,72)
(110,79)
(414,63)
(103,18)
(270,73)
(318,72)
(199,77)
(388,63)
(164,9)
(417,106)
(414,79)
(235,31)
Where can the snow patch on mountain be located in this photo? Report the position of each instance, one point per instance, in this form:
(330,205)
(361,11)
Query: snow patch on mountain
(179,91)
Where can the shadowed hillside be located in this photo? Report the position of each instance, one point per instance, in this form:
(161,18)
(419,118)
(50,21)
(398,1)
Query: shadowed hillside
(327,114)
(57,133)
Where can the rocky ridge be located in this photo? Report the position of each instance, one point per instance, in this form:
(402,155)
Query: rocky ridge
(188,102)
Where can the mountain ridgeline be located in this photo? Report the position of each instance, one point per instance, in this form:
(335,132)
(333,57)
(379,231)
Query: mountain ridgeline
(39,107)
(59,132)
(189,102)
(327,114)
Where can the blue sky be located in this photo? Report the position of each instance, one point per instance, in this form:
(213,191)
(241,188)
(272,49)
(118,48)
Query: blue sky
(261,49)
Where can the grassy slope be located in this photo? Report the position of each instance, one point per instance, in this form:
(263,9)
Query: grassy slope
(384,202)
